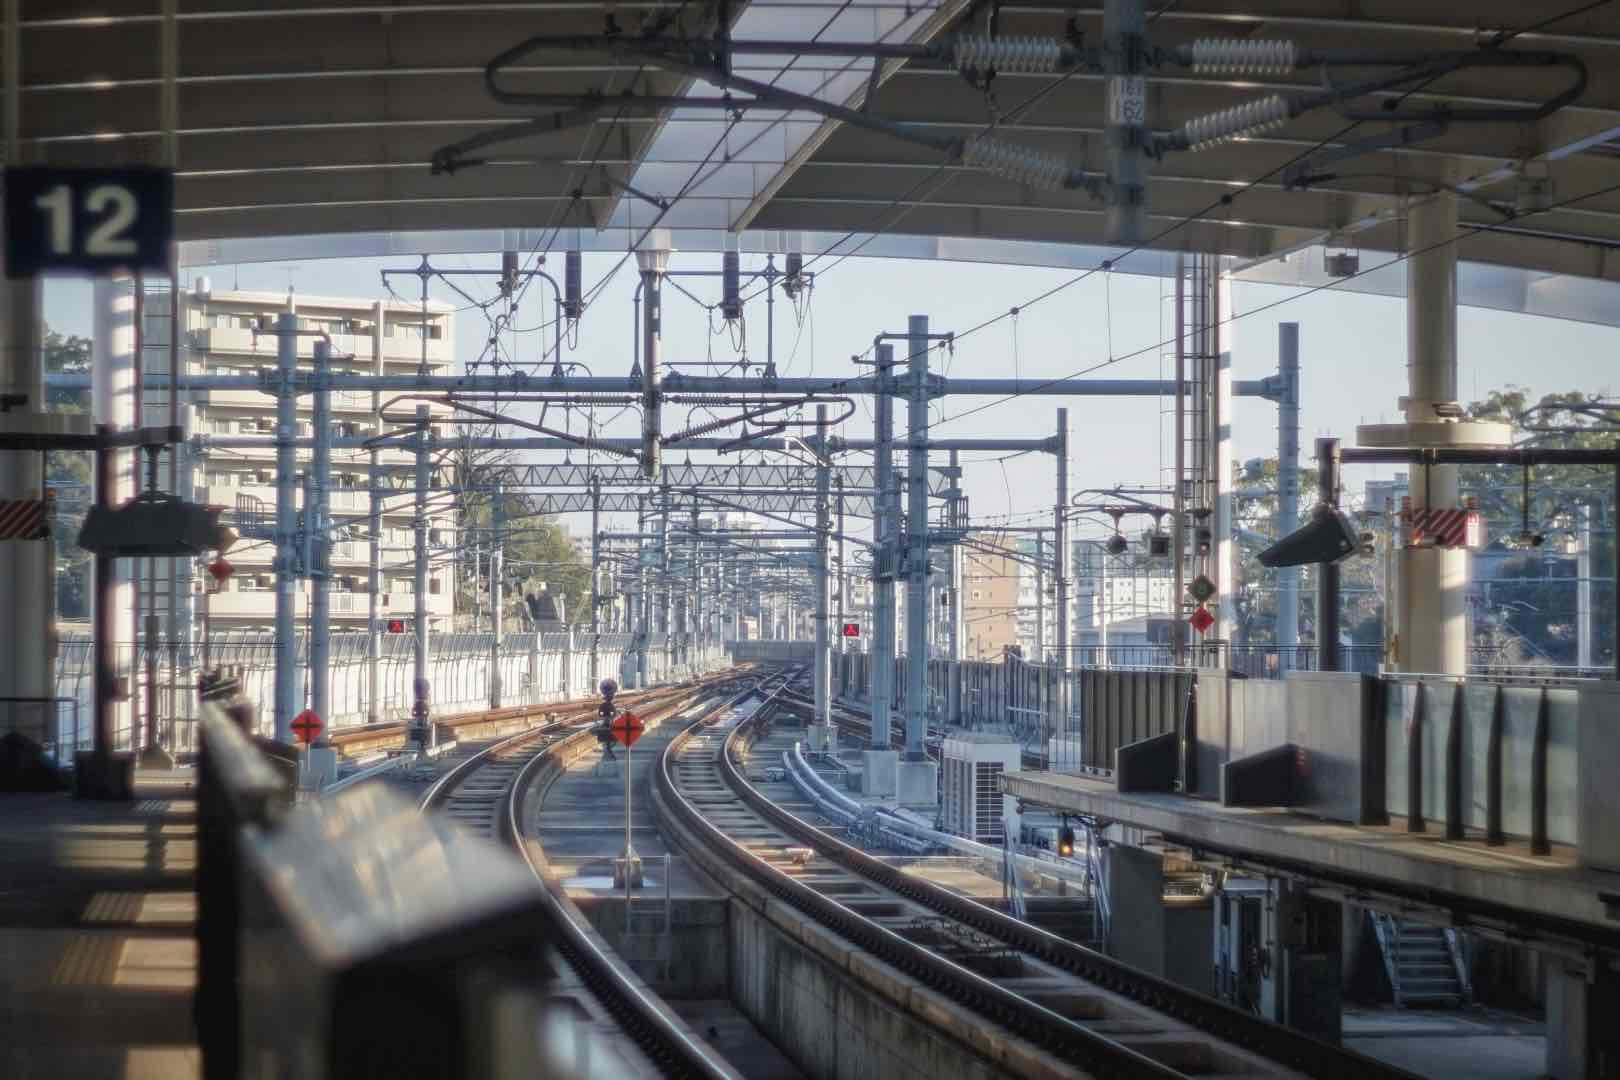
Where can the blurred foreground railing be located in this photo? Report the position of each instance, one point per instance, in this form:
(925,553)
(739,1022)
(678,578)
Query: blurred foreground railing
(354,937)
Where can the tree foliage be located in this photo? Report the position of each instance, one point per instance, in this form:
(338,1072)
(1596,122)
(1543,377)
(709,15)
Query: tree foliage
(536,551)
(1526,606)
(69,472)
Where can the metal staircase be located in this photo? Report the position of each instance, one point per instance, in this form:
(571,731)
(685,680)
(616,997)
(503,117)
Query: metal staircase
(1425,964)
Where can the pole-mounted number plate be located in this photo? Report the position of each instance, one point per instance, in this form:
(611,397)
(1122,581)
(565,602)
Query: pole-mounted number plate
(94,221)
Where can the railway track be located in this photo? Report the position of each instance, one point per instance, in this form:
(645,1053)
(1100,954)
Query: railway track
(485,789)
(1068,1009)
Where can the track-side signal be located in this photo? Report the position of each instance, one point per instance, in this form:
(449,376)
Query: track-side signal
(396,626)
(1066,841)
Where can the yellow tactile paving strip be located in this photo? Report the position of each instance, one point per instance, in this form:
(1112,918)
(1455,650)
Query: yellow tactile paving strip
(97,958)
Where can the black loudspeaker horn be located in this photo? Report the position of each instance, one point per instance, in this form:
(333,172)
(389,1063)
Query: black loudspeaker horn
(1329,536)
(154,524)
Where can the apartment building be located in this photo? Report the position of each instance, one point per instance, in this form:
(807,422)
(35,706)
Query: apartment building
(990,601)
(231,333)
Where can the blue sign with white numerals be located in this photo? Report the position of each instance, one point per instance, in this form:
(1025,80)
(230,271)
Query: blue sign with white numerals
(88,221)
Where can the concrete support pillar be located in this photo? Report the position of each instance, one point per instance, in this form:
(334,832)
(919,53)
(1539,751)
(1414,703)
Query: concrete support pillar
(1583,1041)
(1136,906)
(1432,622)
(113,403)
(1302,936)
(27,574)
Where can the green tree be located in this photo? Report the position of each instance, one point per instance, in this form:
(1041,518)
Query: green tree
(1527,608)
(1256,528)
(69,473)
(536,552)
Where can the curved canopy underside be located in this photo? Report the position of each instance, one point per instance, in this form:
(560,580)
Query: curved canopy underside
(293,117)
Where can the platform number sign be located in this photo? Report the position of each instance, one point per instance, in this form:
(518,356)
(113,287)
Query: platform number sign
(94,221)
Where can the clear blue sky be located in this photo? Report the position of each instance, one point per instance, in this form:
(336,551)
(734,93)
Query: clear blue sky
(1352,350)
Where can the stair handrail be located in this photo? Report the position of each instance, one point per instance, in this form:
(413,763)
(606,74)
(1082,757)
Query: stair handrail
(1097,885)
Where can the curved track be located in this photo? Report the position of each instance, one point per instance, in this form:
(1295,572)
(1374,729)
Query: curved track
(1081,1009)
(485,790)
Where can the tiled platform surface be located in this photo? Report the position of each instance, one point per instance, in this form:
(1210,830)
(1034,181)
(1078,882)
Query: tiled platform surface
(97,955)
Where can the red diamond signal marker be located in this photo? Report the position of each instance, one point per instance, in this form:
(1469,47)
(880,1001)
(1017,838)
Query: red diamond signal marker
(307,726)
(1201,620)
(627,728)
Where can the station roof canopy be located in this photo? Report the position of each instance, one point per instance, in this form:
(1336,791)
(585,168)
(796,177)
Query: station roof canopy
(288,117)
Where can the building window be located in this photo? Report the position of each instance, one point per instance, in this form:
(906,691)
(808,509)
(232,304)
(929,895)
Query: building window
(412,331)
(433,587)
(975,594)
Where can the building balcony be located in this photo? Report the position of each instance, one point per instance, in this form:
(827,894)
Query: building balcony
(348,503)
(238,341)
(259,605)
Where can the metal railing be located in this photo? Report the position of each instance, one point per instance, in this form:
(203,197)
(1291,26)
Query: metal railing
(279,994)
(535,669)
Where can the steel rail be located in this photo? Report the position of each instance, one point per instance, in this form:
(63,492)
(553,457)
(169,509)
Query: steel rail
(1274,1042)
(643,1018)
(1053,1033)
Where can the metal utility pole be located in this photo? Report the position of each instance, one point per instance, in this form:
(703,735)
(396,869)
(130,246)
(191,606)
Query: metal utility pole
(885,558)
(288,693)
(421,730)
(1583,591)
(1287,487)
(1060,541)
(958,520)
(1040,597)
(374,578)
(596,578)
(1178,515)
(1126,141)
(318,519)
(1327,574)
(497,575)
(652,261)
(664,592)
(841,584)
(823,692)
(917,342)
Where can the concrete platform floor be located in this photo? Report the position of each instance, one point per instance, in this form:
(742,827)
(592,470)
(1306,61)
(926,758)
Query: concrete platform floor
(97,954)
(1479,1044)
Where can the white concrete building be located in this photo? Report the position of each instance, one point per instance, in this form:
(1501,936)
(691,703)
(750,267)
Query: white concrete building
(231,333)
